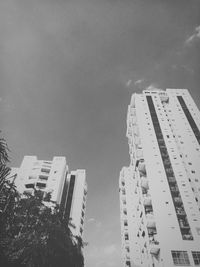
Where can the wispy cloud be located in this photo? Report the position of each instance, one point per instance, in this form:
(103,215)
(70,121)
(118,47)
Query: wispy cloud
(138,82)
(195,36)
(90,220)
(152,87)
(129,83)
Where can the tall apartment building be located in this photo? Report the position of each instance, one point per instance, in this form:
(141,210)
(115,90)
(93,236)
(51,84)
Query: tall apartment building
(68,189)
(160,190)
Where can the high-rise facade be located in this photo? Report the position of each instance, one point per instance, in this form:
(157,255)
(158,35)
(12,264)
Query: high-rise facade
(68,189)
(160,190)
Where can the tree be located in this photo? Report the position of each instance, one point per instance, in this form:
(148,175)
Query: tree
(8,195)
(38,236)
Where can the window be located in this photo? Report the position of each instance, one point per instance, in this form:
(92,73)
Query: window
(127,249)
(128,263)
(43,177)
(180,258)
(125,211)
(126,236)
(32,177)
(41,185)
(29,185)
(196,257)
(45,170)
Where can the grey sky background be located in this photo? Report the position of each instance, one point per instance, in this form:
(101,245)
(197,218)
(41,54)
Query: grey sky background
(67,72)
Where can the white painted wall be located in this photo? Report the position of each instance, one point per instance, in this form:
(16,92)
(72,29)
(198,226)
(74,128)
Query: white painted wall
(143,146)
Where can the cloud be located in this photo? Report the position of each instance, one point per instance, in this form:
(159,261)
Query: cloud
(152,87)
(91,220)
(195,36)
(128,83)
(138,82)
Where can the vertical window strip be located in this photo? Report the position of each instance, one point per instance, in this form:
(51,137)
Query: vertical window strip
(189,118)
(175,193)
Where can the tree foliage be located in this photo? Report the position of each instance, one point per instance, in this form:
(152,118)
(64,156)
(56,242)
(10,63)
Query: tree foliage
(8,192)
(32,233)
(38,236)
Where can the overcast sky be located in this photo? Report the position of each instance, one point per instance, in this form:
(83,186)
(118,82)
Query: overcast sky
(67,72)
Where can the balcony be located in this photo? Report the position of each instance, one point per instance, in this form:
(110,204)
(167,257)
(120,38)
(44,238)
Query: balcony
(187,237)
(142,168)
(144,183)
(166,161)
(139,153)
(144,191)
(135,130)
(147,202)
(155,251)
(180,212)
(30,185)
(174,190)
(41,185)
(134,120)
(169,171)
(154,245)
(137,140)
(172,180)
(148,210)
(152,231)
(184,224)
(151,224)
(178,201)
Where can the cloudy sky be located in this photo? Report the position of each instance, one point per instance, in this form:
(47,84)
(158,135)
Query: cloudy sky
(67,72)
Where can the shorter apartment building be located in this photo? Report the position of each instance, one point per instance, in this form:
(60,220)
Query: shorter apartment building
(68,189)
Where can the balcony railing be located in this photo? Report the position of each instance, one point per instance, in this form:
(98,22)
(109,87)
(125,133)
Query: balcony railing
(142,168)
(139,153)
(187,237)
(178,201)
(147,202)
(171,180)
(144,183)
(152,231)
(180,213)
(151,224)
(174,190)
(184,224)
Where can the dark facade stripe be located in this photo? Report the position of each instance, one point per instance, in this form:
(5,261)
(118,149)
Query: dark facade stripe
(64,197)
(175,193)
(189,118)
(69,197)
